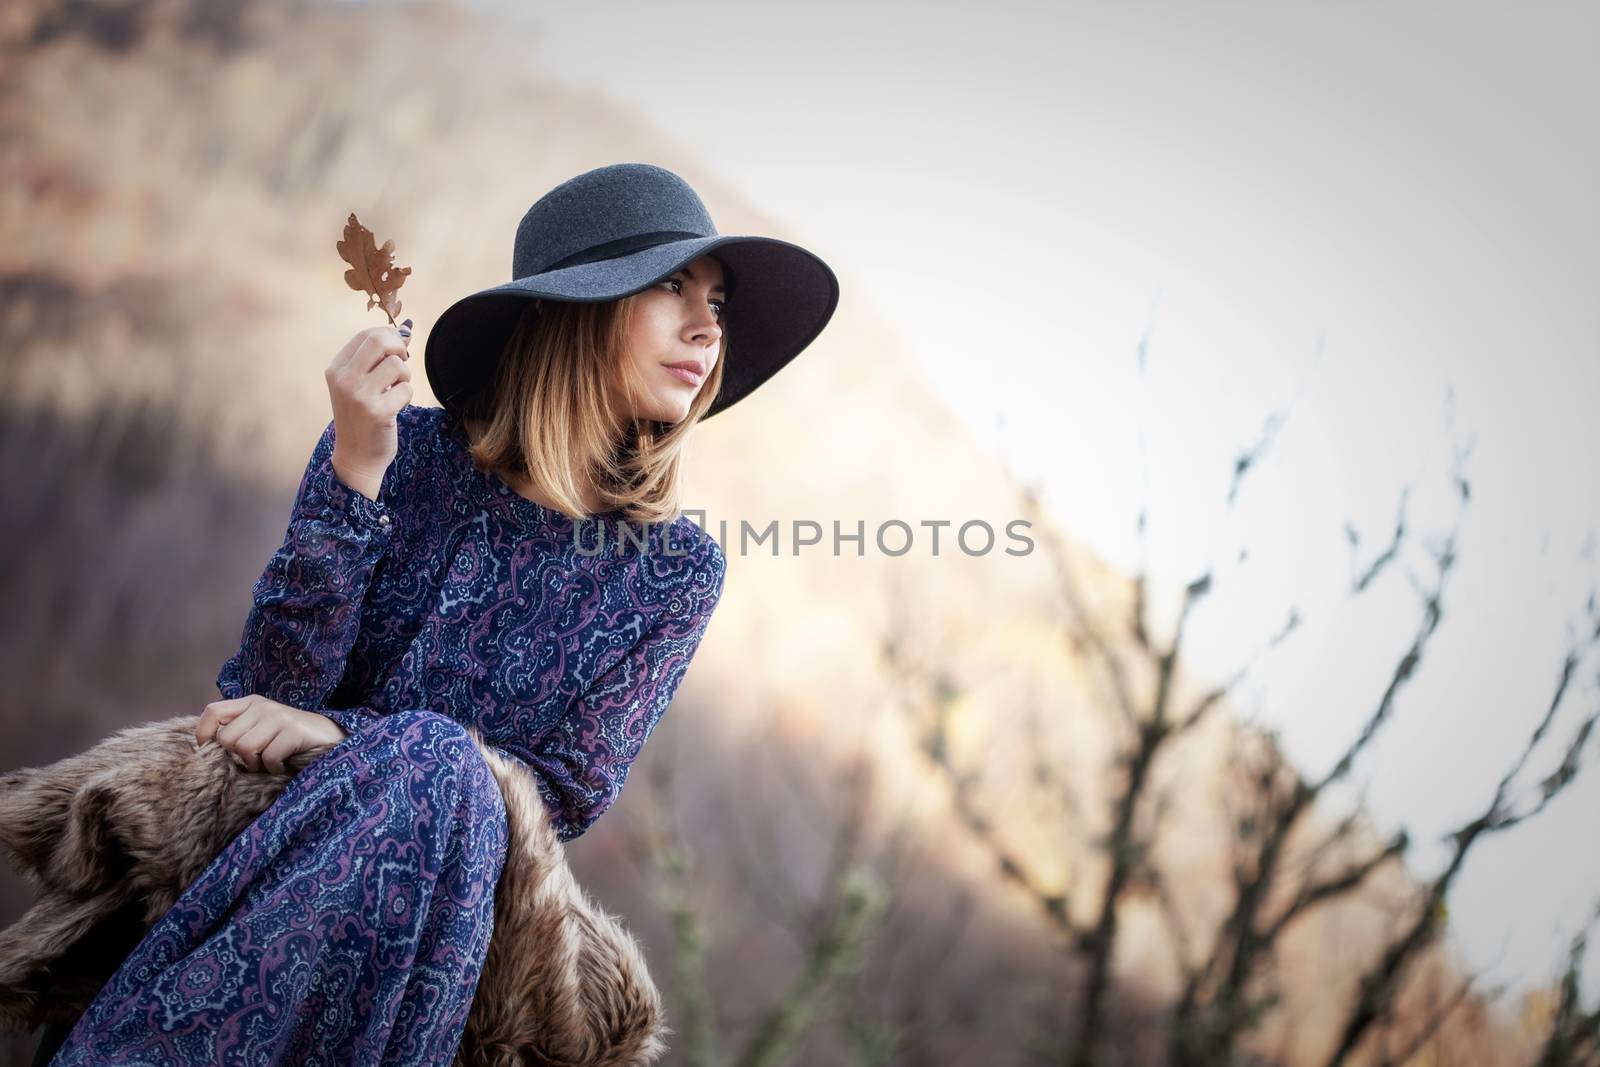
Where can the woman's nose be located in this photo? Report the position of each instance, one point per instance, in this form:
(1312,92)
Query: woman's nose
(705,328)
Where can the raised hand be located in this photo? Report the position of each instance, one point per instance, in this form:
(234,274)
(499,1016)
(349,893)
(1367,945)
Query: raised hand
(368,384)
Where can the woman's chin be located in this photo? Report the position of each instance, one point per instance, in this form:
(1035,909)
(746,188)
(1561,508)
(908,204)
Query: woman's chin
(671,411)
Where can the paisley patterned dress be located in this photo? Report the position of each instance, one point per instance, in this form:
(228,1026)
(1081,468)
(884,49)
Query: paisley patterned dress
(348,924)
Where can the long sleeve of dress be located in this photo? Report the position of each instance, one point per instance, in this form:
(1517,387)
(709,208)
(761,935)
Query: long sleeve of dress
(306,612)
(582,762)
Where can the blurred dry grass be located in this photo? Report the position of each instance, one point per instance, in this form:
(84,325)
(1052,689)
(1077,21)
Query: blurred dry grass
(175,175)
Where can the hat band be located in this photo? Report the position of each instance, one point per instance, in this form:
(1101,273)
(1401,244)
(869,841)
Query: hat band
(621,247)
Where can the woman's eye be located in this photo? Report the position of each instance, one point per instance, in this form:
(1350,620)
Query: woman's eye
(719,305)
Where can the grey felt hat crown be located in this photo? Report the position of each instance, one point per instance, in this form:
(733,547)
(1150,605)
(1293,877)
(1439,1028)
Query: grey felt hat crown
(615,231)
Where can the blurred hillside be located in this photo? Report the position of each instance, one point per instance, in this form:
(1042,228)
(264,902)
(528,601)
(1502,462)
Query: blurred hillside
(175,177)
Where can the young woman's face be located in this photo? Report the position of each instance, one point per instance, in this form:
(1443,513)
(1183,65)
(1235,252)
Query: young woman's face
(676,323)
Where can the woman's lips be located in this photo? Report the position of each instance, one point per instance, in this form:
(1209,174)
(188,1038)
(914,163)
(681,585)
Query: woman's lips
(685,374)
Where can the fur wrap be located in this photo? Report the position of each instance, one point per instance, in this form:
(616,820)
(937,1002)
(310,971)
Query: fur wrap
(112,837)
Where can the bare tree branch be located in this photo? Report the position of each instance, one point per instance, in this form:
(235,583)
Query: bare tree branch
(1379,984)
(1313,893)
(1574,1038)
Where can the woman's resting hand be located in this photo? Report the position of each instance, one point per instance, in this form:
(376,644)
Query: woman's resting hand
(264,733)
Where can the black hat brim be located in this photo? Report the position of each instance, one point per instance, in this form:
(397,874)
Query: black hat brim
(782,297)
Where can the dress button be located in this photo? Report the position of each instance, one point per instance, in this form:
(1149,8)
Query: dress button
(383,520)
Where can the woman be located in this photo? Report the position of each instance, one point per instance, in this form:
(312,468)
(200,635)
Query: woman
(441,569)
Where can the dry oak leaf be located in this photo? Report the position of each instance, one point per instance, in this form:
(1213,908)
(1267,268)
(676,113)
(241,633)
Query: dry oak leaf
(372,270)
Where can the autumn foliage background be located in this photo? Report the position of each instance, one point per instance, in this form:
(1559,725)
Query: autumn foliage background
(811,848)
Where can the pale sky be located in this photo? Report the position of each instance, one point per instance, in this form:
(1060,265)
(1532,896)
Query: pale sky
(1379,220)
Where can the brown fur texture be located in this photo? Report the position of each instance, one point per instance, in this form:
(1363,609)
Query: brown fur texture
(114,835)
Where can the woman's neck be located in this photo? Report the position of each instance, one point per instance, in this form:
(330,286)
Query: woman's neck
(520,485)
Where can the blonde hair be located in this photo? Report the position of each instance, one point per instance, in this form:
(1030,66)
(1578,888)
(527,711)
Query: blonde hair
(558,417)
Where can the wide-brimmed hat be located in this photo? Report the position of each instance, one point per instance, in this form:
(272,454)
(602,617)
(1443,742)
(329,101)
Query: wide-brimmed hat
(615,231)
